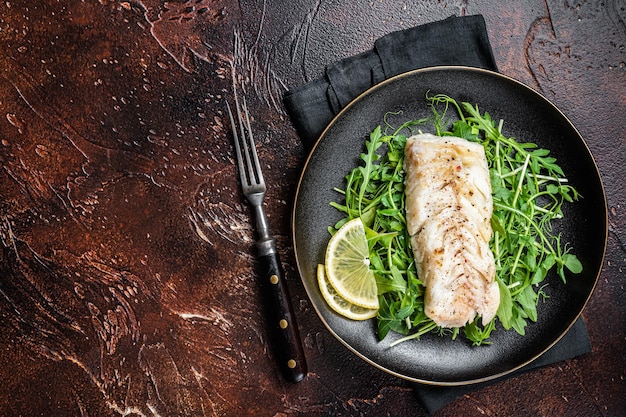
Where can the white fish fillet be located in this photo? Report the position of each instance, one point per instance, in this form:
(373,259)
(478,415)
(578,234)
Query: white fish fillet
(449,207)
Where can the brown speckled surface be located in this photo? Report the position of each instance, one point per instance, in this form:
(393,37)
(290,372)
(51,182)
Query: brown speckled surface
(127,281)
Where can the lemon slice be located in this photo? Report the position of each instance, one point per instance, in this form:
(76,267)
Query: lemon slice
(347,265)
(339,304)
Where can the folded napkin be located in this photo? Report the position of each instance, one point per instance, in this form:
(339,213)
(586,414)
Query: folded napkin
(453,41)
(574,343)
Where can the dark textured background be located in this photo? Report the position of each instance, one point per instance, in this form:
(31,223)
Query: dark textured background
(125,288)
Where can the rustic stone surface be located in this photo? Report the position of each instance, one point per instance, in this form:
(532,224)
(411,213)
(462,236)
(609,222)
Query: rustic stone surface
(127,280)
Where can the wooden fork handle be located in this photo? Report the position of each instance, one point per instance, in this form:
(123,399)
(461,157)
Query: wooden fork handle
(284,334)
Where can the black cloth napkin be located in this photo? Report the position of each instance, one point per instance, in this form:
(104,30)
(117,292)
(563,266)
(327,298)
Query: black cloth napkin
(574,343)
(453,41)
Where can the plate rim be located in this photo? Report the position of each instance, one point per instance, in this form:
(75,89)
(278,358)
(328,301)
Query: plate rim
(321,137)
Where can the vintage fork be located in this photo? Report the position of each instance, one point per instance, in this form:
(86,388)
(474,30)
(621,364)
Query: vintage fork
(284,331)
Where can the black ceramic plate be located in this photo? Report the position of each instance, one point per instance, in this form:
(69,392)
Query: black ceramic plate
(529,118)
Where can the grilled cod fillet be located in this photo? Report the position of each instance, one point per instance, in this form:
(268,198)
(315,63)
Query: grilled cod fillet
(449,207)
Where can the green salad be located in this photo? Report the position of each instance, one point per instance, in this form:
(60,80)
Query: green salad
(529,190)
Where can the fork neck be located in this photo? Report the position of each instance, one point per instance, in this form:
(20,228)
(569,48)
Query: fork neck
(265,243)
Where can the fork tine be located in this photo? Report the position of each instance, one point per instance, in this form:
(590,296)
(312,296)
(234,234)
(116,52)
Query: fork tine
(240,163)
(252,159)
(258,174)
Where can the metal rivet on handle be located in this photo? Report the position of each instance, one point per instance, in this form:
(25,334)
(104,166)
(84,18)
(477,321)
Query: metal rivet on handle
(274,279)
(283,324)
(291,363)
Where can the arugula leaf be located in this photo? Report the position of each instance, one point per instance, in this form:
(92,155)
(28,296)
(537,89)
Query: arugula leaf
(505,309)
